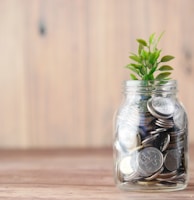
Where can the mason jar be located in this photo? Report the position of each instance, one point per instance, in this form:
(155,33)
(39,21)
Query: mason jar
(151,138)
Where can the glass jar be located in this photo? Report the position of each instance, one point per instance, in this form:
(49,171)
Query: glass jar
(150,138)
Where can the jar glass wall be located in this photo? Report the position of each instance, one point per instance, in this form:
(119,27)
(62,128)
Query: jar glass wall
(151,138)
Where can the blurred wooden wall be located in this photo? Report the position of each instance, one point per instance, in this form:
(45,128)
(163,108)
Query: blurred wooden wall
(61,65)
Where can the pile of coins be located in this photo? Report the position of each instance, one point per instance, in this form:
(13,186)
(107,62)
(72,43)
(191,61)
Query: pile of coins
(151,143)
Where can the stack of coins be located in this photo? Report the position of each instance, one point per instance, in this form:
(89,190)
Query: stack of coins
(151,143)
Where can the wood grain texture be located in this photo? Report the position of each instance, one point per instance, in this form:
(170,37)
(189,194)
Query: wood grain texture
(70,174)
(61,65)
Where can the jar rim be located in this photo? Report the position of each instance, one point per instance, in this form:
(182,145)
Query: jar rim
(149,82)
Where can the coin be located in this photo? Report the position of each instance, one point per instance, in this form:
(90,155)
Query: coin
(136,149)
(164,123)
(165,143)
(125,165)
(148,141)
(160,141)
(150,160)
(158,130)
(128,167)
(173,159)
(151,110)
(161,107)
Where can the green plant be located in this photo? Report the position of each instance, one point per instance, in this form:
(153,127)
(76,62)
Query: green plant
(147,64)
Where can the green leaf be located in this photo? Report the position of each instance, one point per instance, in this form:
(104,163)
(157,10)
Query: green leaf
(143,70)
(154,56)
(142,42)
(144,54)
(133,77)
(166,58)
(135,65)
(159,38)
(146,77)
(153,69)
(133,69)
(151,38)
(140,49)
(135,58)
(151,77)
(162,76)
(165,68)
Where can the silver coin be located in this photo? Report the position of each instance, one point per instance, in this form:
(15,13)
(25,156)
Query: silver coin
(151,110)
(166,143)
(173,159)
(125,165)
(163,106)
(158,130)
(150,160)
(148,141)
(164,123)
(128,166)
(161,141)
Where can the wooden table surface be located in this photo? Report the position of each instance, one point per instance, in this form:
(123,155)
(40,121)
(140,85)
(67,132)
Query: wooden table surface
(70,174)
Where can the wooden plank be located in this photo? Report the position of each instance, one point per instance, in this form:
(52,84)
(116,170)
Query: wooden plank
(69,174)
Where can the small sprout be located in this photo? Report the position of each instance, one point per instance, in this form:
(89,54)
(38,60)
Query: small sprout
(146,63)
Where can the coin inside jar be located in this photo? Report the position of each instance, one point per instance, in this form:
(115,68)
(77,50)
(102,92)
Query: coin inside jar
(128,164)
(125,166)
(161,107)
(173,159)
(148,141)
(150,160)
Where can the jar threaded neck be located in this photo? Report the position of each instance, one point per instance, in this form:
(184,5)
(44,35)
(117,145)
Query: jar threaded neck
(153,87)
